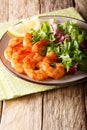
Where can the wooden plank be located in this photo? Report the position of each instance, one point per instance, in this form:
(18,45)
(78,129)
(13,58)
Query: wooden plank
(51,5)
(4,16)
(23,8)
(81,7)
(85,91)
(1,105)
(64,109)
(23,113)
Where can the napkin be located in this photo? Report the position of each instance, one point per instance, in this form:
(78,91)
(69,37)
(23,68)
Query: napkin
(13,87)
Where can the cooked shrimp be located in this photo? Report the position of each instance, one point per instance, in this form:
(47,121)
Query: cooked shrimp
(15,44)
(37,57)
(27,40)
(39,46)
(30,67)
(26,58)
(17,60)
(15,41)
(52,56)
(56,72)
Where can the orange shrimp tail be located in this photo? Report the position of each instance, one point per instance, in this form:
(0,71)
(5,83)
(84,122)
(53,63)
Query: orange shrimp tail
(38,46)
(27,41)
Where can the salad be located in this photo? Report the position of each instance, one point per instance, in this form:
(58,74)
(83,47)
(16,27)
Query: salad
(32,54)
(67,40)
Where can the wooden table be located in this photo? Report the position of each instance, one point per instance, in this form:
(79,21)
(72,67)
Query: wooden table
(61,109)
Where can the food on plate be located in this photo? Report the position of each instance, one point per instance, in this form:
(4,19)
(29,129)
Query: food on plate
(14,45)
(48,49)
(19,30)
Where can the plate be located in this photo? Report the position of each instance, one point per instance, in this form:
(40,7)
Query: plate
(66,80)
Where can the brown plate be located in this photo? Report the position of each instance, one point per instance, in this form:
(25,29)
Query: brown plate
(66,80)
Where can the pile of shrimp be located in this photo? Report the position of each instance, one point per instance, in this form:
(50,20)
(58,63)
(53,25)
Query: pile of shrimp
(26,59)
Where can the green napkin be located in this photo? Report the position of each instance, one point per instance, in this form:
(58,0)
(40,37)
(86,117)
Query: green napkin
(11,86)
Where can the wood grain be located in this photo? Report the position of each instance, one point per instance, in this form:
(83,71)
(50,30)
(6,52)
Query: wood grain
(85,91)
(64,109)
(1,109)
(51,5)
(81,7)
(23,113)
(23,8)
(4,14)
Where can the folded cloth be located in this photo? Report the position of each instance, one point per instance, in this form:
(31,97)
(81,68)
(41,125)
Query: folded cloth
(11,86)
